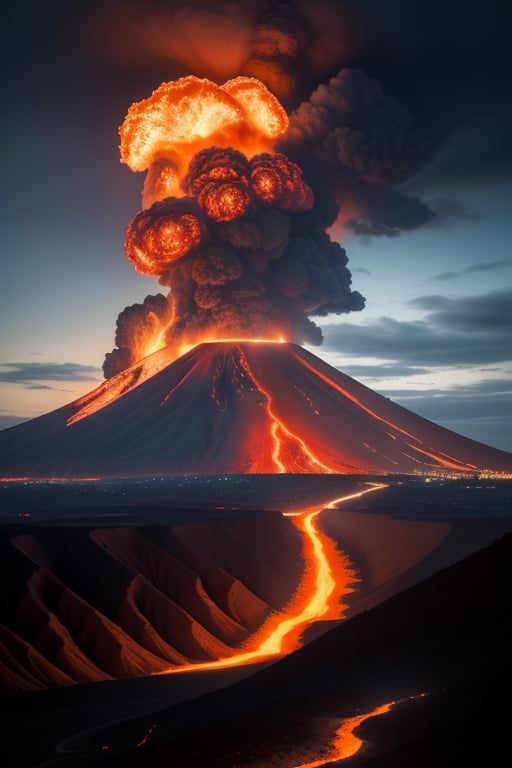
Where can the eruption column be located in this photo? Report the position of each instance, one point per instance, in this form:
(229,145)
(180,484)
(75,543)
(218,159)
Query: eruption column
(228,223)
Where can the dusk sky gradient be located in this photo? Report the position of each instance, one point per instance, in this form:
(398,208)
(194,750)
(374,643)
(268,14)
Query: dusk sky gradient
(435,334)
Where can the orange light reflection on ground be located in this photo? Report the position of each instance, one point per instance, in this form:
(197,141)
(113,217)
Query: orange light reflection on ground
(327,577)
(346,743)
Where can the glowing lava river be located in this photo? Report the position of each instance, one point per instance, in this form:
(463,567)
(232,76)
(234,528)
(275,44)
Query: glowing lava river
(328,576)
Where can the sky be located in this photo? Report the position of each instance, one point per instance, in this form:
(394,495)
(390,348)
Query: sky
(429,248)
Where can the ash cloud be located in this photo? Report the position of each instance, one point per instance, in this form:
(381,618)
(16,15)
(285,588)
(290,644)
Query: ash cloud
(359,141)
(261,274)
(242,241)
(243,245)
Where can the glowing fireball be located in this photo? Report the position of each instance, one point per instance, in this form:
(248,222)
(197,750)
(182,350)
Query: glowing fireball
(186,115)
(278,181)
(164,233)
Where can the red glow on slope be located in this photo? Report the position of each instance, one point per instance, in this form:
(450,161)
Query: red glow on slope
(147,736)
(266,407)
(439,458)
(213,338)
(355,400)
(446,462)
(289,452)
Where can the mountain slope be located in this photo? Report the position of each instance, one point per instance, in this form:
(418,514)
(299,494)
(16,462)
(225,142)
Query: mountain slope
(236,408)
(93,604)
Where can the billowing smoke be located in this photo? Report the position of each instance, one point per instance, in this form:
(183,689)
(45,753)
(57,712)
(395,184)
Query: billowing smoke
(238,198)
(241,242)
(359,141)
(345,133)
(137,328)
(279,52)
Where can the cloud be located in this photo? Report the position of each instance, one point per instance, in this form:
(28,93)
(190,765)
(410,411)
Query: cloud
(416,342)
(356,140)
(472,330)
(448,209)
(480,410)
(20,373)
(383,371)
(477,314)
(444,276)
(484,266)
(501,387)
(12,421)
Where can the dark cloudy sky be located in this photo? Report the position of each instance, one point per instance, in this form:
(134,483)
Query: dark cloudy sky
(431,255)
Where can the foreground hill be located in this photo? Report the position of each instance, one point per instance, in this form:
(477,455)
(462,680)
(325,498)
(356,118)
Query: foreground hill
(236,408)
(447,637)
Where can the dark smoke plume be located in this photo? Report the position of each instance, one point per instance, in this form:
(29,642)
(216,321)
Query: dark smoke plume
(359,141)
(254,271)
(245,251)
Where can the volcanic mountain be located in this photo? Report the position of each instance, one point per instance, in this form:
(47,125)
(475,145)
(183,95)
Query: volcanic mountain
(236,407)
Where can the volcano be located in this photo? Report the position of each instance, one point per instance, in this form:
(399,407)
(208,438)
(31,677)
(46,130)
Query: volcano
(236,407)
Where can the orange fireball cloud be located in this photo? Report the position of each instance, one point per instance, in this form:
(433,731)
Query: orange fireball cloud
(186,115)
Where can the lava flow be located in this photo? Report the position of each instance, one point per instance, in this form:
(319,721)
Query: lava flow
(328,576)
(345,742)
(289,452)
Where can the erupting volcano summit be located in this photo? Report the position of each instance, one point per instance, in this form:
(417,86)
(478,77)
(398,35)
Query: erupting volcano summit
(232,227)
(236,407)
